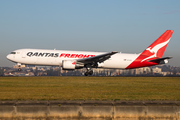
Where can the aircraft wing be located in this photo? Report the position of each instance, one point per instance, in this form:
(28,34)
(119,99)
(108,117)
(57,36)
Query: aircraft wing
(98,58)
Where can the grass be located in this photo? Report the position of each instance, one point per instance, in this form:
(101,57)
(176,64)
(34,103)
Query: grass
(89,88)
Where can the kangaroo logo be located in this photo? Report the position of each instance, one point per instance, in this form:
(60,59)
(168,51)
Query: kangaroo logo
(155,49)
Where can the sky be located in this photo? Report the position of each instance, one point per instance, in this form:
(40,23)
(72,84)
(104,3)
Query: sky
(127,26)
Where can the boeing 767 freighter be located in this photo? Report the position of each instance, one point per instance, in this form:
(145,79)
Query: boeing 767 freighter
(70,60)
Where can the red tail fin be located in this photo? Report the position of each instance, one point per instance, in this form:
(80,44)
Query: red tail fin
(154,51)
(158,47)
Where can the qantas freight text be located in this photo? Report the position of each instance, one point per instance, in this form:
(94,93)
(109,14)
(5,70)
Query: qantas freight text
(70,60)
(30,54)
(75,55)
(62,55)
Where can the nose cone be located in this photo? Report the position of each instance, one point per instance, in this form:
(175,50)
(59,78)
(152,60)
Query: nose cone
(8,57)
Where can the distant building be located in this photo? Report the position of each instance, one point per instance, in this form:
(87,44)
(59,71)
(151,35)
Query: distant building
(164,73)
(57,71)
(157,70)
(139,71)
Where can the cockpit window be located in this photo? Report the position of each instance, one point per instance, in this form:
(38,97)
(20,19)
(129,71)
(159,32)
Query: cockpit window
(13,52)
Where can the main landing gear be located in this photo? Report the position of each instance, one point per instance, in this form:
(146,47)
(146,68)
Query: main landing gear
(89,70)
(88,73)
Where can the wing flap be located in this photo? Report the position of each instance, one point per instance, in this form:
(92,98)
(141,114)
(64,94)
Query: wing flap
(98,58)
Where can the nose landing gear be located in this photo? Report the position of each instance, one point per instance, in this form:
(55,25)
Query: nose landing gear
(19,65)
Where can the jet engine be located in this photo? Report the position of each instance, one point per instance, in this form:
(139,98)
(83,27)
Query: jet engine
(71,65)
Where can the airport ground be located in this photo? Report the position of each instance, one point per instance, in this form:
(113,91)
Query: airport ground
(90,88)
(82,98)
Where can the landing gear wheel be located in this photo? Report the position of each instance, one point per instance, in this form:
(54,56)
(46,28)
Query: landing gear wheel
(90,72)
(19,69)
(86,74)
(89,69)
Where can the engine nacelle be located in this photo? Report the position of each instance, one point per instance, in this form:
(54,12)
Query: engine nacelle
(68,64)
(71,65)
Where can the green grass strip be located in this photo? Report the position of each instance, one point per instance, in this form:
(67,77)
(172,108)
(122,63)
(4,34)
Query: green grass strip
(89,88)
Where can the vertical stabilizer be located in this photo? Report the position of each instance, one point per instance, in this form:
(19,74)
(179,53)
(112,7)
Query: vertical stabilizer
(158,47)
(154,51)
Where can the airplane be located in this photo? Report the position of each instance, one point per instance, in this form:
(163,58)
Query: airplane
(71,60)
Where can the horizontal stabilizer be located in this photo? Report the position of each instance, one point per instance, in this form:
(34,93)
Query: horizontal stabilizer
(159,59)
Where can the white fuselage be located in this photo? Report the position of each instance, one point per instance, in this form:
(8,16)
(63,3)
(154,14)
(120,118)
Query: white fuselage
(55,57)
(70,60)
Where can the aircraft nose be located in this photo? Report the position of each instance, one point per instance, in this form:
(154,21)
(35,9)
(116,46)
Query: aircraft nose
(8,57)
